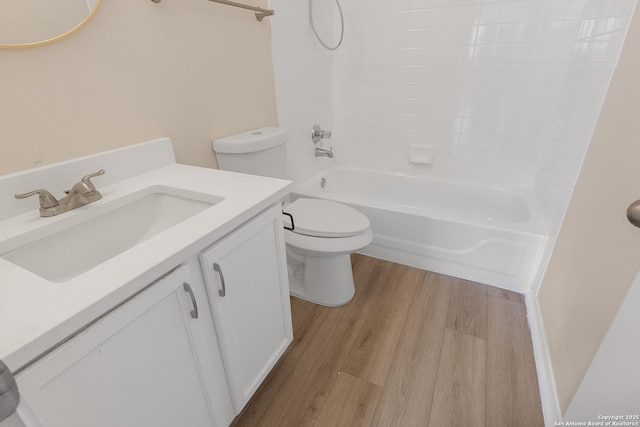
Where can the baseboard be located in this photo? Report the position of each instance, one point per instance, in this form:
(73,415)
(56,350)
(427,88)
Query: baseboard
(546,380)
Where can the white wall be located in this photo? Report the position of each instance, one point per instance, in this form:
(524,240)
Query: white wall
(507,91)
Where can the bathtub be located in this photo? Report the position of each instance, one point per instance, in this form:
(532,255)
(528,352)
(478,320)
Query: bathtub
(485,234)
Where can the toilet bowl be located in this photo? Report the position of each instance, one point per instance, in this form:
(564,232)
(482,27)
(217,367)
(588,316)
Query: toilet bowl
(323,233)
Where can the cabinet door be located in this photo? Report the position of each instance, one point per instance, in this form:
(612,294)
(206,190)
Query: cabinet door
(246,280)
(134,367)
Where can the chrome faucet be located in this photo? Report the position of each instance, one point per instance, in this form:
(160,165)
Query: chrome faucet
(323,152)
(82,193)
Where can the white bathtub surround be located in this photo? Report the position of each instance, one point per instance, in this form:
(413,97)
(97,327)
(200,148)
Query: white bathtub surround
(486,234)
(507,92)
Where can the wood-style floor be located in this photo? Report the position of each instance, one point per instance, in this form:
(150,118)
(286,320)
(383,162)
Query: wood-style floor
(413,348)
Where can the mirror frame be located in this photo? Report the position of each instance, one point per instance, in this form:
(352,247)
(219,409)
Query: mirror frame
(56,38)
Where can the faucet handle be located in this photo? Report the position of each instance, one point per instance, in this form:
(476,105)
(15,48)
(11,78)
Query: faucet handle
(86,180)
(47,200)
(318,134)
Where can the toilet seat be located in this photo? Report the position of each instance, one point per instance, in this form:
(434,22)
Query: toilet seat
(324,227)
(326,219)
(326,245)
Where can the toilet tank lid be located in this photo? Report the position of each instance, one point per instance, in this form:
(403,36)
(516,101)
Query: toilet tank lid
(251,141)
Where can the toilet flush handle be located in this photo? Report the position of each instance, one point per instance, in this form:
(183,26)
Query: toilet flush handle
(293,227)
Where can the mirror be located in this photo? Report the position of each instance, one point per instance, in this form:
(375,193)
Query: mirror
(25,23)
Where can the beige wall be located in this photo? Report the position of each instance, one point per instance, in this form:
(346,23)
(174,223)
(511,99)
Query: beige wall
(187,69)
(597,254)
(29,21)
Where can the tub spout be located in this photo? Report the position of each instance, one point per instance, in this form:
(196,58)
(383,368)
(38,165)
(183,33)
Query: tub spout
(322,152)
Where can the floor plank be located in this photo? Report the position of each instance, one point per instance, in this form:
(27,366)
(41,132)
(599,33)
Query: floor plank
(512,386)
(468,308)
(492,291)
(459,398)
(405,397)
(351,402)
(381,325)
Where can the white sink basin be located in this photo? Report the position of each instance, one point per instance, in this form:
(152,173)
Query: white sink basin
(77,244)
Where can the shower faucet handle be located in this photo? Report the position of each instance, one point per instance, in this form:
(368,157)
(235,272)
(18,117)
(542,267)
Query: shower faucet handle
(317,134)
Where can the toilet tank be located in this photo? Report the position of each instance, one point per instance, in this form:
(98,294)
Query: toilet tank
(258,152)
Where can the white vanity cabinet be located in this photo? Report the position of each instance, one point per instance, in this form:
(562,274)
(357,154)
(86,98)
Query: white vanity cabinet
(105,344)
(143,364)
(189,349)
(246,280)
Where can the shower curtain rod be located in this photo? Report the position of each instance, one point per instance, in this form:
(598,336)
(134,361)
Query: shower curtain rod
(260,12)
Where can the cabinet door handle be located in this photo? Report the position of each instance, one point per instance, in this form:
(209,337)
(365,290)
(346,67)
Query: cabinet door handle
(187,289)
(216,267)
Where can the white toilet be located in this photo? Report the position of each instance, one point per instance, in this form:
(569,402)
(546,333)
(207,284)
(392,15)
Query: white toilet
(325,233)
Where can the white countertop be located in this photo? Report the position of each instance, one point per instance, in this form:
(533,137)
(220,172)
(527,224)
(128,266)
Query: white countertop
(36,314)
